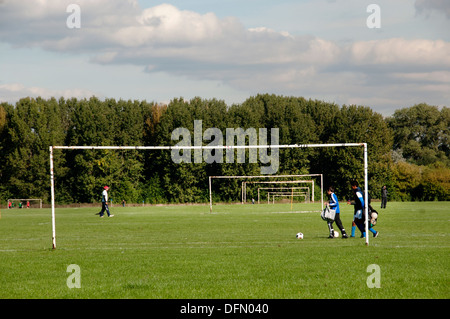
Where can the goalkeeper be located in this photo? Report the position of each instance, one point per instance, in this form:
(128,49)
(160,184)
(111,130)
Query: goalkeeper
(334,204)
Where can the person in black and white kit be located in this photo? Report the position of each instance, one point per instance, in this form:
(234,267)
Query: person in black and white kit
(333,203)
(105,203)
(359,217)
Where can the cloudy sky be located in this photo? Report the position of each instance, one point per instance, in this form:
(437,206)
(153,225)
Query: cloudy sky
(228,49)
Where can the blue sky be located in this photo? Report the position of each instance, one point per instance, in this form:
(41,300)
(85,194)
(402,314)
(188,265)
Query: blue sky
(229,50)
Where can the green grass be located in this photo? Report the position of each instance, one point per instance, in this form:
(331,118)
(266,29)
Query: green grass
(238,251)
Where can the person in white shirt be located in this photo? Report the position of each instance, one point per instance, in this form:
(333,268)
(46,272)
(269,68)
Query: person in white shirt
(105,203)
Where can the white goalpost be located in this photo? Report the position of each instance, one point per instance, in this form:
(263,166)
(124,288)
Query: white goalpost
(210,147)
(244,183)
(301,181)
(292,189)
(277,194)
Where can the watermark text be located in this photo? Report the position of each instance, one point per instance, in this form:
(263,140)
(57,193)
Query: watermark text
(216,138)
(374,20)
(74,280)
(74,19)
(374,279)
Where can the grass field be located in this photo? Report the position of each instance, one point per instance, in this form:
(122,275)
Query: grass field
(238,251)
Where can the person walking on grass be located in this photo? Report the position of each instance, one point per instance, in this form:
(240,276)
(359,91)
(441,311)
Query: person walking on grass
(105,203)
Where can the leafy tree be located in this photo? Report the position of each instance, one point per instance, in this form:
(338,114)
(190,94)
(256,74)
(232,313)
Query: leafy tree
(4,137)
(96,123)
(354,124)
(184,182)
(421,133)
(434,184)
(2,117)
(409,152)
(34,125)
(406,178)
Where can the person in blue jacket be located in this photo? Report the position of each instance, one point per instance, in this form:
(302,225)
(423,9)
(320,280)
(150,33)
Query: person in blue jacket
(333,203)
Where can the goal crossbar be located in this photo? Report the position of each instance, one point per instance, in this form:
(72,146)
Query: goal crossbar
(215,147)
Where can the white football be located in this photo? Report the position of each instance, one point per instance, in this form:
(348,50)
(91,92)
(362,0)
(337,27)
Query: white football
(373,219)
(336,234)
(299,236)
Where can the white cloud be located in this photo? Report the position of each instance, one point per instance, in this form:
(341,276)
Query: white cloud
(15,91)
(397,51)
(167,24)
(121,32)
(202,46)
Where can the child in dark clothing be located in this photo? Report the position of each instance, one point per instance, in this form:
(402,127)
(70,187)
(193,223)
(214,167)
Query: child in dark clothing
(333,203)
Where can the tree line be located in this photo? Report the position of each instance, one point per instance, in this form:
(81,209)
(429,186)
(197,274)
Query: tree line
(408,151)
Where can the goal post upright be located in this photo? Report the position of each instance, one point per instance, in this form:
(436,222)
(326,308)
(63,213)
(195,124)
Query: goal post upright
(52,194)
(366,194)
(211,147)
